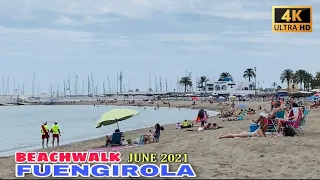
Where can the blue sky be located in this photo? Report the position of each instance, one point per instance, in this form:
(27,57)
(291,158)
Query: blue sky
(145,38)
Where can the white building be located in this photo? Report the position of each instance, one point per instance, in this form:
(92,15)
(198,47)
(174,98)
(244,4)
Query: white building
(229,87)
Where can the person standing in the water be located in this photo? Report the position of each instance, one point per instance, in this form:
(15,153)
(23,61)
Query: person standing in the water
(55,130)
(201,114)
(45,133)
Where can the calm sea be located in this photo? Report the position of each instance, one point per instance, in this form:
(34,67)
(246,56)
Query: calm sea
(20,125)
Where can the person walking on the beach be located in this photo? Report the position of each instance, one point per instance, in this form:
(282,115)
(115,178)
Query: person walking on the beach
(45,133)
(55,130)
(201,114)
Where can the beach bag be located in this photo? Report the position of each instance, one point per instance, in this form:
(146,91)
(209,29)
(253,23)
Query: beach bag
(289,131)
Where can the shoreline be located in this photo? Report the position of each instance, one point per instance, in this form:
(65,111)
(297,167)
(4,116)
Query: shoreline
(214,158)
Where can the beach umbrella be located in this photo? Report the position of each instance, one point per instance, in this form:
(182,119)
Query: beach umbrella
(232,98)
(114,116)
(221,98)
(242,106)
(316,94)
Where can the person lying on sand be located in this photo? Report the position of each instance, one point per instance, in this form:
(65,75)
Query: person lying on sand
(209,126)
(244,134)
(215,126)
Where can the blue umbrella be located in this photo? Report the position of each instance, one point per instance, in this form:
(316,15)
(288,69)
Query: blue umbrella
(242,106)
(221,98)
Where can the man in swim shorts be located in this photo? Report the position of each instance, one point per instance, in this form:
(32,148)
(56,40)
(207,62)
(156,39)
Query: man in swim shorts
(55,130)
(45,133)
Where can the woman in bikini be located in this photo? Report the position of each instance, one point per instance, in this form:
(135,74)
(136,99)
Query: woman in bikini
(244,134)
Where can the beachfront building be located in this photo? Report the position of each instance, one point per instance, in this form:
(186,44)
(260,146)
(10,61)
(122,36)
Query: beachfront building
(228,86)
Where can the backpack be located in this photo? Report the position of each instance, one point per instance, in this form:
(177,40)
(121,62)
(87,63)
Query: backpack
(289,131)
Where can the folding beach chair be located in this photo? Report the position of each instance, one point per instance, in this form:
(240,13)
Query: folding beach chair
(116,139)
(272,125)
(302,123)
(295,125)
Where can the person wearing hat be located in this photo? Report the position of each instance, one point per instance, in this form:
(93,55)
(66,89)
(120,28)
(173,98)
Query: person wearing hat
(45,133)
(55,130)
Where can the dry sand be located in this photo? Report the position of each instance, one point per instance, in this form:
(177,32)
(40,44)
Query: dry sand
(212,158)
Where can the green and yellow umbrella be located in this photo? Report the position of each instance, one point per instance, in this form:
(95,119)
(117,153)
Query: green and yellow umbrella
(114,116)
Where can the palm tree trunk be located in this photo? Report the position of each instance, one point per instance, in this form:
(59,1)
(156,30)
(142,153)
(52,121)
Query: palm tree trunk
(300,85)
(249,79)
(185,88)
(288,86)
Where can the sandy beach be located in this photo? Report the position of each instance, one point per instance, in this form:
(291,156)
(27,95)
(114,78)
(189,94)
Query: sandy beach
(212,158)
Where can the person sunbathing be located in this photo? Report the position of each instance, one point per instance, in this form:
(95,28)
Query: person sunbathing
(215,126)
(244,134)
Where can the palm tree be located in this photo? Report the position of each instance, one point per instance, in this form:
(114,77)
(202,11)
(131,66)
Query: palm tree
(308,81)
(274,84)
(225,75)
(185,81)
(300,76)
(287,76)
(202,82)
(318,75)
(249,73)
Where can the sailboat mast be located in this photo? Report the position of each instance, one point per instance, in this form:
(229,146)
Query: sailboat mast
(82,91)
(8,86)
(3,85)
(109,88)
(160,84)
(128,84)
(92,86)
(22,89)
(75,85)
(33,83)
(166,85)
(18,89)
(38,89)
(57,91)
(88,85)
(14,86)
(64,87)
(104,87)
(117,82)
(68,84)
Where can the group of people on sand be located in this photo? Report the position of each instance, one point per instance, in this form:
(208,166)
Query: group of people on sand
(202,118)
(264,121)
(152,137)
(45,133)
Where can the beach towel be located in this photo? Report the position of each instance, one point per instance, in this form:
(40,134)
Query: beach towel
(110,149)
